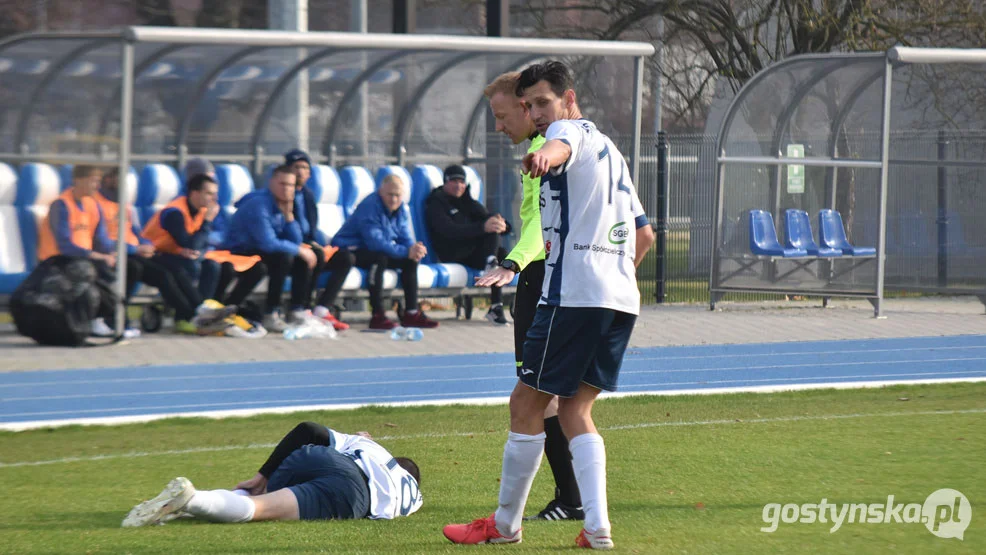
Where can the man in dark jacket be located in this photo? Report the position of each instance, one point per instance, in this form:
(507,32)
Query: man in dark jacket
(335,261)
(462,231)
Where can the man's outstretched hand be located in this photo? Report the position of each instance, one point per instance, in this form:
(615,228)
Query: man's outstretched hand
(497,277)
(256,485)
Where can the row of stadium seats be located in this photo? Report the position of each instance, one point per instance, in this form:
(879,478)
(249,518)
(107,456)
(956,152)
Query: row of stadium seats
(25,196)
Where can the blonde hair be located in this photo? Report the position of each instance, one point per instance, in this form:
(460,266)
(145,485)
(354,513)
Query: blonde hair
(392,179)
(505,83)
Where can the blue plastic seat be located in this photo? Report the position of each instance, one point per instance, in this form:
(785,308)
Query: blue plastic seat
(798,235)
(832,234)
(763,237)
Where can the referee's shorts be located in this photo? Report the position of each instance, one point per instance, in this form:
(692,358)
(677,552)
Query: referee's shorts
(568,346)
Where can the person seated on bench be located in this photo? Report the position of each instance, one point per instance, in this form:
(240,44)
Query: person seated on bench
(191,315)
(75,227)
(330,259)
(264,225)
(462,231)
(180,234)
(379,233)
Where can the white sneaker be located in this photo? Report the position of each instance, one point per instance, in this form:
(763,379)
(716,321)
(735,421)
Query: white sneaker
(99,328)
(600,539)
(274,323)
(171,500)
(298,316)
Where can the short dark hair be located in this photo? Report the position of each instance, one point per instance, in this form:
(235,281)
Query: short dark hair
(81,171)
(411,467)
(197,182)
(283,168)
(554,72)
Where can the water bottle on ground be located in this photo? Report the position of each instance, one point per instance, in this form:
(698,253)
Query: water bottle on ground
(398,333)
(299,332)
(414,334)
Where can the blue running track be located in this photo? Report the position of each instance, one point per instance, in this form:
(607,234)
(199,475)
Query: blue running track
(50,396)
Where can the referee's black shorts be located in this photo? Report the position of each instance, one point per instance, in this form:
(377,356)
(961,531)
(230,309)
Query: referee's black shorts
(526,304)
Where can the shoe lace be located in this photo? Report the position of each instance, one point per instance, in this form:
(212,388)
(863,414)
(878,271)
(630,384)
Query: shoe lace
(484,525)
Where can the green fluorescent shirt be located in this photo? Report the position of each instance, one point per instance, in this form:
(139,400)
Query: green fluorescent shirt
(530,246)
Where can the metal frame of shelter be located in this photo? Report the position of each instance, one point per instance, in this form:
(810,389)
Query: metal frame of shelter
(317,46)
(827,64)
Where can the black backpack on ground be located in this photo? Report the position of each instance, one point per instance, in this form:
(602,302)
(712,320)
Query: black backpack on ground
(57,302)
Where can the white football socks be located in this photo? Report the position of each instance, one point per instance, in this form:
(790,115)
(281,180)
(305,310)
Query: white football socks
(220,505)
(589,463)
(521,458)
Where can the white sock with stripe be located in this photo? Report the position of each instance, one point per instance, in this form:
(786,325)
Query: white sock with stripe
(521,459)
(589,463)
(220,505)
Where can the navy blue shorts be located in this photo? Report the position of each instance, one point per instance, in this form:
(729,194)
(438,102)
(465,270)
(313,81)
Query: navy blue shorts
(327,483)
(569,345)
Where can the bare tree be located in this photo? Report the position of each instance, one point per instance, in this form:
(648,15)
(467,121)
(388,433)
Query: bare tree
(711,40)
(156,12)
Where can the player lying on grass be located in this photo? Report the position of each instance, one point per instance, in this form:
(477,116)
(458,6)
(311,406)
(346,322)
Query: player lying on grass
(314,473)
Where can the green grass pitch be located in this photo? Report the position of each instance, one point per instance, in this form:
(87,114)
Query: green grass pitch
(688,474)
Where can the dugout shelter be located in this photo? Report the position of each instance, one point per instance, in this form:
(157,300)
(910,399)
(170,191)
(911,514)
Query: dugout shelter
(146,99)
(848,175)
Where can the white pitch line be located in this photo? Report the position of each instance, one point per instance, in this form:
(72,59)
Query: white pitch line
(501,376)
(624,427)
(403,369)
(499,398)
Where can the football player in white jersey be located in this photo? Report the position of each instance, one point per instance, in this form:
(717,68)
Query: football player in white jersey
(595,234)
(314,473)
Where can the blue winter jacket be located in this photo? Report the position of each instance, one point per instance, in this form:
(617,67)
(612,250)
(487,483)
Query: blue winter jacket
(374,228)
(259,227)
(306,212)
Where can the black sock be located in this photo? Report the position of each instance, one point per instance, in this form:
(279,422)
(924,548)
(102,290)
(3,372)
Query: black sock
(560,459)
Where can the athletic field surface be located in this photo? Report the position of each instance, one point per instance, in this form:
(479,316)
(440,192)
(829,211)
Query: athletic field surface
(757,428)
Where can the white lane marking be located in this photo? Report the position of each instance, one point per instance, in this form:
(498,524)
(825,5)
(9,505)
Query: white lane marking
(404,369)
(503,398)
(639,426)
(499,376)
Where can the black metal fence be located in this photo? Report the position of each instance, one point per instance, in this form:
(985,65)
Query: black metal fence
(936,237)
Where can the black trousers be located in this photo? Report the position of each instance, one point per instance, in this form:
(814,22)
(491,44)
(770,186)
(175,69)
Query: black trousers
(279,266)
(526,304)
(177,290)
(339,265)
(202,271)
(246,282)
(483,247)
(375,263)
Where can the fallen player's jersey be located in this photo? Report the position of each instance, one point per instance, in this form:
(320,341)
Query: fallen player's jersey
(393,491)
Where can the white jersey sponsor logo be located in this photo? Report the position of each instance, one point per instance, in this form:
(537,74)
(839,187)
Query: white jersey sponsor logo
(590,213)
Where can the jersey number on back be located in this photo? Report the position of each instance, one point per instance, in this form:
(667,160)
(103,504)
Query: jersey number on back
(409,495)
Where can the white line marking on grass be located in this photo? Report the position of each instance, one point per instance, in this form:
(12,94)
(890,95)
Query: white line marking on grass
(487,398)
(403,369)
(640,426)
